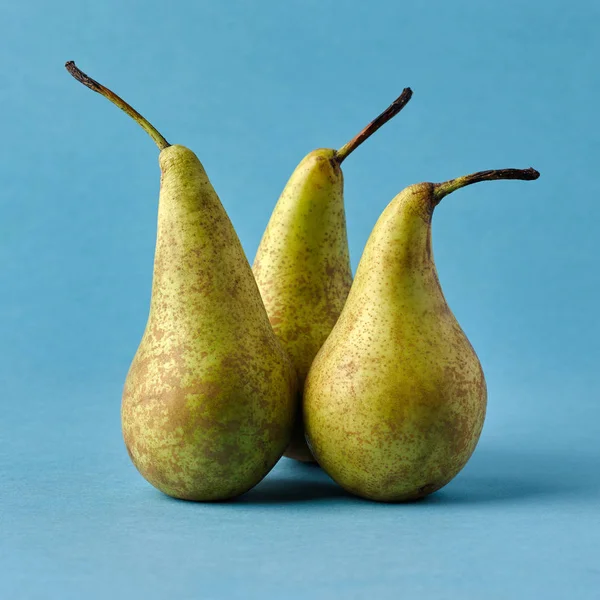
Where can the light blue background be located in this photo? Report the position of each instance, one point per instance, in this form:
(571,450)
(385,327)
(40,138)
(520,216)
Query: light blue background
(252,87)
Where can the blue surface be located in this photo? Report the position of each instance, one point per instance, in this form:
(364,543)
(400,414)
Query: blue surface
(252,87)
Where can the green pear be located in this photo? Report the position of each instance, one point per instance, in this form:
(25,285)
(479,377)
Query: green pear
(210,398)
(302,266)
(395,400)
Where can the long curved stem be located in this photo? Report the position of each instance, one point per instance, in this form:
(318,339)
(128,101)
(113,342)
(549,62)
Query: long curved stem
(447,187)
(390,112)
(118,101)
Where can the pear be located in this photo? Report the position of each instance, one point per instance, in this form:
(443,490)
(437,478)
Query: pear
(302,266)
(210,398)
(395,400)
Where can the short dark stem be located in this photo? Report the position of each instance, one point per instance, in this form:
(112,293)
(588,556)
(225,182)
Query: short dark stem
(390,112)
(447,187)
(118,101)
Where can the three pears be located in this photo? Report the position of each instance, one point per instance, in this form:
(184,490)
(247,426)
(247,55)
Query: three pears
(374,378)
(395,400)
(210,398)
(302,266)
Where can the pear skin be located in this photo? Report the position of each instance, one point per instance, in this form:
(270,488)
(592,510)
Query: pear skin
(302,266)
(210,398)
(394,402)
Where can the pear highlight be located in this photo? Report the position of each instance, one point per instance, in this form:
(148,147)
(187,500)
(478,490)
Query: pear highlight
(302,266)
(395,400)
(210,398)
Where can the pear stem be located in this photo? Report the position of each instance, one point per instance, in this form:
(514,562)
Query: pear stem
(117,101)
(447,187)
(389,113)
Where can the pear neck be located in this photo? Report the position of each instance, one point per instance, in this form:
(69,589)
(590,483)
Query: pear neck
(184,184)
(402,243)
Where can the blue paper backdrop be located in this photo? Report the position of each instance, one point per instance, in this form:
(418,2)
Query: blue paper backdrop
(252,87)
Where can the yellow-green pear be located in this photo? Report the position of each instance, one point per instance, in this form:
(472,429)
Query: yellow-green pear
(302,266)
(210,398)
(395,400)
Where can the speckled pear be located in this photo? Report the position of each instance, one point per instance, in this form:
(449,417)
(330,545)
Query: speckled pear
(210,398)
(302,266)
(395,400)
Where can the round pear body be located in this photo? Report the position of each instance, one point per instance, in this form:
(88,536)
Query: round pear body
(395,400)
(302,267)
(210,398)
